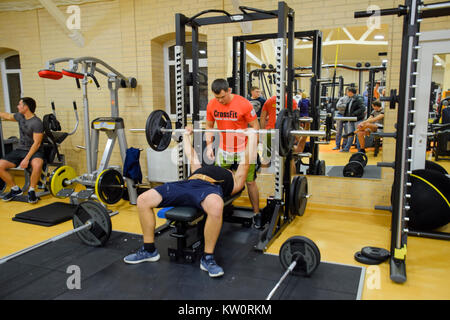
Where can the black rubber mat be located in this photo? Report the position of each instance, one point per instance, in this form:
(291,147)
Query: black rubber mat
(370,172)
(43,273)
(48,215)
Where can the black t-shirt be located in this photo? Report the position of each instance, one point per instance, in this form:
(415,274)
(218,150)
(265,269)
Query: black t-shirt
(218,173)
(27,128)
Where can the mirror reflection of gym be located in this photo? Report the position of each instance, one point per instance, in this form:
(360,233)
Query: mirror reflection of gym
(346,46)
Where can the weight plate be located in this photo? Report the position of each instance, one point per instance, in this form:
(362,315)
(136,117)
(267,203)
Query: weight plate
(285,125)
(59,176)
(292,195)
(157,140)
(300,196)
(100,231)
(303,249)
(365,260)
(376,253)
(359,157)
(353,169)
(109,186)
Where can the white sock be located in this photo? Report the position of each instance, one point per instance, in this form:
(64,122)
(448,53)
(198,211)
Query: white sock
(30,189)
(15,188)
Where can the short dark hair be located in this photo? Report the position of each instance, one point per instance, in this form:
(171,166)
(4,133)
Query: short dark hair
(30,103)
(219,85)
(254,88)
(352,89)
(376,103)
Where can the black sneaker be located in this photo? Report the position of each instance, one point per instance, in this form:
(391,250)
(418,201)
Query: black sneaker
(32,197)
(12,193)
(257,221)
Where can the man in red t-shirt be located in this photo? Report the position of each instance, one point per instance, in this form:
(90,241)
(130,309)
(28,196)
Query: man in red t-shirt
(269,112)
(231,111)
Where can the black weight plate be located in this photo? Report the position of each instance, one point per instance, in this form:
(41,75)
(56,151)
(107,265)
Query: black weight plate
(285,125)
(376,253)
(353,169)
(292,195)
(365,260)
(359,157)
(300,199)
(303,249)
(101,228)
(107,187)
(157,140)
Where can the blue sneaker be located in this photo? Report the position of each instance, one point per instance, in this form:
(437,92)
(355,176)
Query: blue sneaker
(12,194)
(209,265)
(142,255)
(32,197)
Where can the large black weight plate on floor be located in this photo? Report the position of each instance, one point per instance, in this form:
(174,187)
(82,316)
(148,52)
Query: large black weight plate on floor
(303,249)
(300,199)
(108,186)
(285,125)
(379,254)
(157,140)
(100,230)
(353,169)
(359,157)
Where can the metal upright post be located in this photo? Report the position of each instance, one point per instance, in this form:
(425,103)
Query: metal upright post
(180,25)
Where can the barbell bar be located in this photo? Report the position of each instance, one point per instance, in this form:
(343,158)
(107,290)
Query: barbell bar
(86,226)
(309,133)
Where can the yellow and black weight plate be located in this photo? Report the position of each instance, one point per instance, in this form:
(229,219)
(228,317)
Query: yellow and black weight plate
(59,178)
(109,186)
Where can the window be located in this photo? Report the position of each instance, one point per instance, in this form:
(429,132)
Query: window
(169,68)
(12,81)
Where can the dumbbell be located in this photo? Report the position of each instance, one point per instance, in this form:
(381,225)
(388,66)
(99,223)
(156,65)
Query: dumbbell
(355,166)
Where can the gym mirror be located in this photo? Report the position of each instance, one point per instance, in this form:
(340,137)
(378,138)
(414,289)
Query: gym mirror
(346,47)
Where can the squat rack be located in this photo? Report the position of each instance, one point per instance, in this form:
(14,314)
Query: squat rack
(284,42)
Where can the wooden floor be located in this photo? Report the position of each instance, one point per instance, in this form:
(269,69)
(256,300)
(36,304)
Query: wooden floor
(339,232)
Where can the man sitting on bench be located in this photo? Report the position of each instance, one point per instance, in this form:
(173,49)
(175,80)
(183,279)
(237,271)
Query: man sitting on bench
(205,190)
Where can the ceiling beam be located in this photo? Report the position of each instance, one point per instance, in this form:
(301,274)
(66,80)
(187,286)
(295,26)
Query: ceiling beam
(246,27)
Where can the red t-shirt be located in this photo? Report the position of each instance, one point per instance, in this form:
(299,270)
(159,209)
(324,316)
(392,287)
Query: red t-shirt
(235,115)
(271,108)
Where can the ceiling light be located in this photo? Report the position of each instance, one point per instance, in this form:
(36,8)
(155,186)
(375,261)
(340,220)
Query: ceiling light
(202,51)
(378,37)
(438,64)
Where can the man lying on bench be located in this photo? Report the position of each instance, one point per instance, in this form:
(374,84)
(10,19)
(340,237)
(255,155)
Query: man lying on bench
(205,190)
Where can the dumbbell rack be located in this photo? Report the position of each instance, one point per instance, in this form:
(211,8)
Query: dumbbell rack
(411,11)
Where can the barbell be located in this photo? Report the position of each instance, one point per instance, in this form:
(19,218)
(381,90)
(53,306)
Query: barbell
(299,256)
(158,131)
(92,225)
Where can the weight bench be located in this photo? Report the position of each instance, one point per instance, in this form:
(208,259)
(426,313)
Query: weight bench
(189,223)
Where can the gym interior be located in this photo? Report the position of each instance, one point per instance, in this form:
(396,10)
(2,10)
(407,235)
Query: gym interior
(132,57)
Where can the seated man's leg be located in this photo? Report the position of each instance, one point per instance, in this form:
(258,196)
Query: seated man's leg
(36,164)
(213,206)
(364,130)
(11,160)
(145,203)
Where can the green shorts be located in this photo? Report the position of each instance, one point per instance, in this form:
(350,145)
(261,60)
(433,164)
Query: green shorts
(229,160)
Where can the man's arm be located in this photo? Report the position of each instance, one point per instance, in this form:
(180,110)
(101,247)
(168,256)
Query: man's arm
(262,119)
(189,150)
(7,116)
(372,119)
(251,152)
(37,138)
